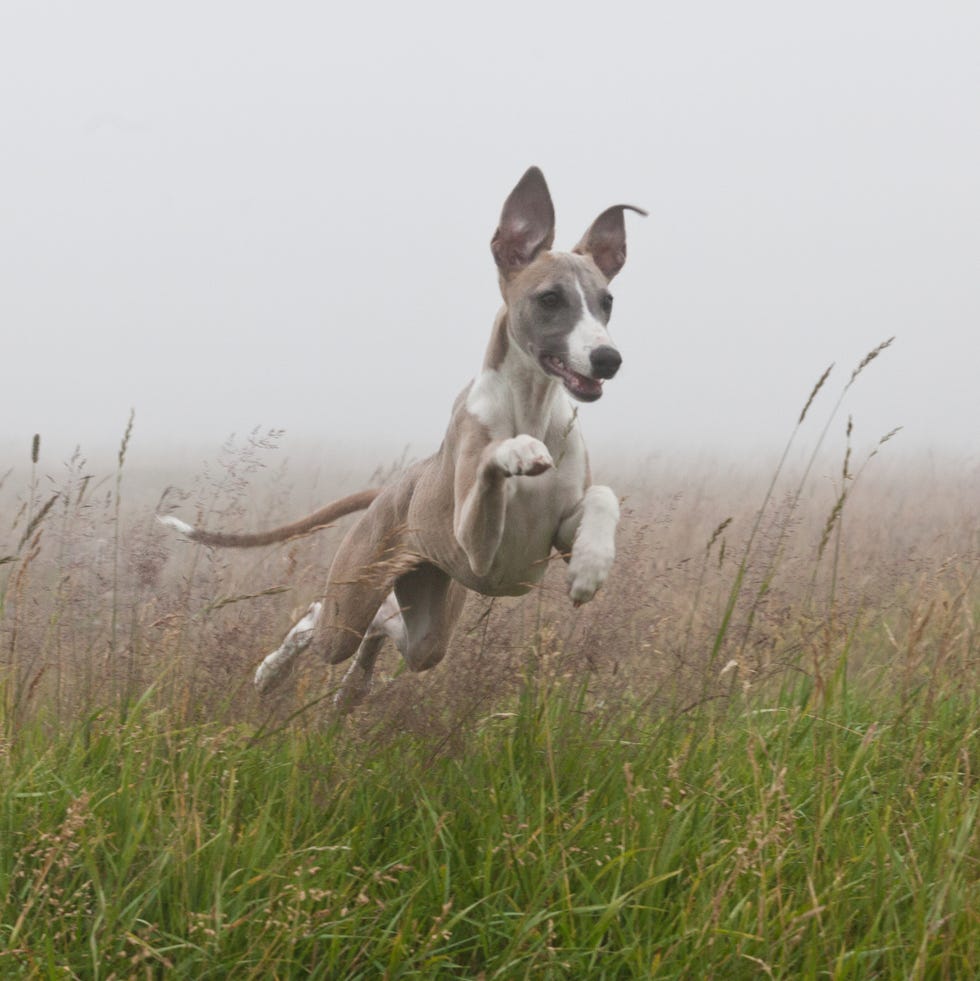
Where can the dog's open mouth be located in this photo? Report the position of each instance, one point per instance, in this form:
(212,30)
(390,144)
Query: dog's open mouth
(581,387)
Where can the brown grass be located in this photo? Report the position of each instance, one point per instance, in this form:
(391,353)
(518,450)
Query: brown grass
(100,604)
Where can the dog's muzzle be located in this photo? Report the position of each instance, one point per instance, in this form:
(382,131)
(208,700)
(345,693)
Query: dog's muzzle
(605,361)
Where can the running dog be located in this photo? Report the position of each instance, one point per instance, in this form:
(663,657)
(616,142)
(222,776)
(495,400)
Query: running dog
(510,484)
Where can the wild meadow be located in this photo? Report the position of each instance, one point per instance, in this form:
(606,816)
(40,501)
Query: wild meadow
(754,755)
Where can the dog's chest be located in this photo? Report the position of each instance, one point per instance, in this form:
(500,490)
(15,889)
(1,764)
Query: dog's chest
(507,405)
(537,505)
(535,509)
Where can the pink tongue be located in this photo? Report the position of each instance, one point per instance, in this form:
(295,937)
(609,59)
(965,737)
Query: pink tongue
(588,386)
(576,383)
(580,383)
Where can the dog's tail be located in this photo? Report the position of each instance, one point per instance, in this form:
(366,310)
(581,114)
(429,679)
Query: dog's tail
(312,522)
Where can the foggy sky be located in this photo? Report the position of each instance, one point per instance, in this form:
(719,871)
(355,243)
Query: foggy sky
(229,214)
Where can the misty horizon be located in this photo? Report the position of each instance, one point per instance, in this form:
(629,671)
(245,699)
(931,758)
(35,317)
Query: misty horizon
(285,221)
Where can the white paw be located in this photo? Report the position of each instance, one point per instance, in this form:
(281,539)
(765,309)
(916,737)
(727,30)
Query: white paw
(275,665)
(267,673)
(523,456)
(587,571)
(595,544)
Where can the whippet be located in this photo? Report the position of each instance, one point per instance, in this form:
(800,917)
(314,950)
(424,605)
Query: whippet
(510,483)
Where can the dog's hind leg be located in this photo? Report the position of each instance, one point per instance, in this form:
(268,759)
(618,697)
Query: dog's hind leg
(430,602)
(369,560)
(356,682)
(275,665)
(419,616)
(366,564)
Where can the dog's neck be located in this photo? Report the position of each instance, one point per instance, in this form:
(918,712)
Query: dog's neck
(512,394)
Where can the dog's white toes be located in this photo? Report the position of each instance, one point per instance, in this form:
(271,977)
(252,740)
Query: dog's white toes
(583,589)
(523,456)
(587,571)
(266,676)
(274,665)
(273,668)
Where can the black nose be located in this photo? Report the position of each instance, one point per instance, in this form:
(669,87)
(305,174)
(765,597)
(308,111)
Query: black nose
(605,361)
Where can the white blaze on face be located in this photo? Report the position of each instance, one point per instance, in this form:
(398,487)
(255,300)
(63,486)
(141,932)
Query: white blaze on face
(588,334)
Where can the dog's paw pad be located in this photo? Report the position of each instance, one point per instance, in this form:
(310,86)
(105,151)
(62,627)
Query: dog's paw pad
(523,456)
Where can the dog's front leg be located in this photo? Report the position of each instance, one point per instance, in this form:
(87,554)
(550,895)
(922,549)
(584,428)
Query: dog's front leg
(480,493)
(591,532)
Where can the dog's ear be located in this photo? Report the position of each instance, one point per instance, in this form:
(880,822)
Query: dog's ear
(605,241)
(527,224)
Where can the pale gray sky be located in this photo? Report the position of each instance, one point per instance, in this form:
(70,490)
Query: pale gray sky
(231,213)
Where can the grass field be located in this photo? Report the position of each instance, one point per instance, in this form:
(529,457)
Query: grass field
(754,755)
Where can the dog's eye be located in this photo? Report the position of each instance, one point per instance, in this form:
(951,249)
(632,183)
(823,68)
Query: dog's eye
(550,299)
(607,303)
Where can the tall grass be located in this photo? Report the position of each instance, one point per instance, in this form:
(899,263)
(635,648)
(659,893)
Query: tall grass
(785,840)
(754,755)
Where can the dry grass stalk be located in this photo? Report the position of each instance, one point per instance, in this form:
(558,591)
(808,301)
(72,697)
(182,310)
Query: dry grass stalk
(868,358)
(813,394)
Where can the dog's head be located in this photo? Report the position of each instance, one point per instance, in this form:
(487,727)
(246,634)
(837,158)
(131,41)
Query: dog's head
(558,303)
